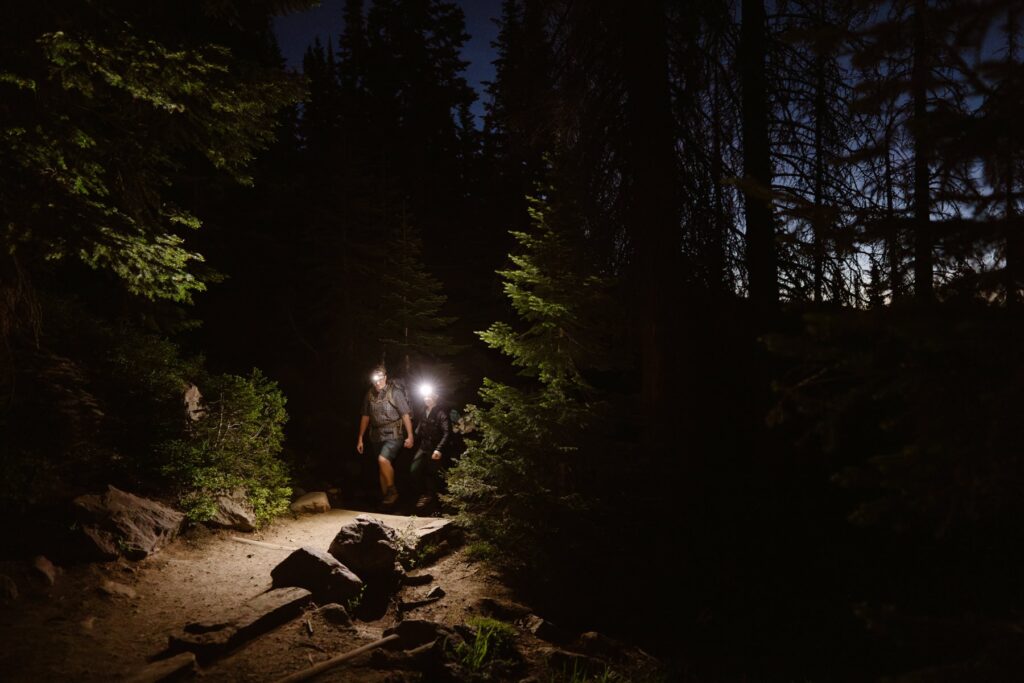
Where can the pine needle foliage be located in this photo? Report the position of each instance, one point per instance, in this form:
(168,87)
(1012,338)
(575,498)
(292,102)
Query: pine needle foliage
(525,486)
(409,320)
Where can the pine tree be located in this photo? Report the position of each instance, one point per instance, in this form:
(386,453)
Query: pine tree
(520,485)
(917,60)
(409,321)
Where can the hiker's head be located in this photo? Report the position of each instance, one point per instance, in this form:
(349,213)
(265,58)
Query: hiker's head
(379,377)
(429,394)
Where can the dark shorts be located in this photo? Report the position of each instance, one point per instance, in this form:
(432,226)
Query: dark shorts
(388,448)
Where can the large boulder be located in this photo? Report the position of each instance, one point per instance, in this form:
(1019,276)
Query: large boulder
(234,512)
(319,573)
(117,523)
(369,548)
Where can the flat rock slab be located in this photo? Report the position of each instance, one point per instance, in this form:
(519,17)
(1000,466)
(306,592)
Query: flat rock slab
(433,533)
(250,620)
(163,669)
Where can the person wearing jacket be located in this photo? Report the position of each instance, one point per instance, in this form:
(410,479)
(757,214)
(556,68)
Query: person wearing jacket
(433,430)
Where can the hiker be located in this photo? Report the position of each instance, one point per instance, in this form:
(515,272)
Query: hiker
(432,434)
(386,413)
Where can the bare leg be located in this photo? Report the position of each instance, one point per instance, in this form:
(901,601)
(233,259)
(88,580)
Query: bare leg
(387,474)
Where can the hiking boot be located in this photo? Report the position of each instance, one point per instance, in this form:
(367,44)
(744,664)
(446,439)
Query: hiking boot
(391,498)
(425,501)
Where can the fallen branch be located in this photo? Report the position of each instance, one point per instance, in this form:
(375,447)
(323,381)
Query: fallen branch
(273,546)
(335,661)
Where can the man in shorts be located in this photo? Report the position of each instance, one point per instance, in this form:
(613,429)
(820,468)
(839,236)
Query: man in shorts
(386,414)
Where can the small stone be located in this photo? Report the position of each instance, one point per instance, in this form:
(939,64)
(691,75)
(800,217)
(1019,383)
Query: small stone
(544,629)
(114,589)
(87,623)
(417,580)
(335,614)
(436,593)
(43,569)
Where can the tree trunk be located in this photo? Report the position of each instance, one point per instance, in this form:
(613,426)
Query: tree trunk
(1014,241)
(761,260)
(923,261)
(652,213)
(716,250)
(819,223)
(893,242)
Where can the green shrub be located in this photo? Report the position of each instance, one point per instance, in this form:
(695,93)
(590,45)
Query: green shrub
(235,444)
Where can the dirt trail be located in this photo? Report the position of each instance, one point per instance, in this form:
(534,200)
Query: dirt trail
(74,631)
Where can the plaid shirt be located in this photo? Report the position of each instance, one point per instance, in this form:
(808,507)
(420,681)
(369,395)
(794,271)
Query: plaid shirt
(386,415)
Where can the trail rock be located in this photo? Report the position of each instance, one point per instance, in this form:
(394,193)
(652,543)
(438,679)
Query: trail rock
(436,593)
(234,512)
(369,548)
(117,523)
(44,570)
(319,573)
(335,614)
(115,589)
(544,629)
(163,669)
(251,619)
(417,579)
(505,610)
(434,534)
(311,502)
(600,645)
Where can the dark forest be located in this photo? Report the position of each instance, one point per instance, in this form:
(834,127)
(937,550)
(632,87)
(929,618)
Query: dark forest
(727,299)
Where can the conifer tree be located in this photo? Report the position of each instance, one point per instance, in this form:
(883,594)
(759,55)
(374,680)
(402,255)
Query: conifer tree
(409,321)
(520,485)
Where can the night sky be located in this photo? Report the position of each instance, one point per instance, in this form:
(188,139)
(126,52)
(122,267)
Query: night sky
(296,31)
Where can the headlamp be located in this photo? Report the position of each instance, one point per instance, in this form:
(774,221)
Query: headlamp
(427,389)
(377,377)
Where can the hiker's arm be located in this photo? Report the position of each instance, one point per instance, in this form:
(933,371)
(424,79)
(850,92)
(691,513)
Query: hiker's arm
(407,421)
(364,422)
(445,425)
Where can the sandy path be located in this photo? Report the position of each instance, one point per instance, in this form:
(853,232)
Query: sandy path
(72,631)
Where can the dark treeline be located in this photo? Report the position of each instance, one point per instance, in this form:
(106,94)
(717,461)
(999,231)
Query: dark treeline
(748,277)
